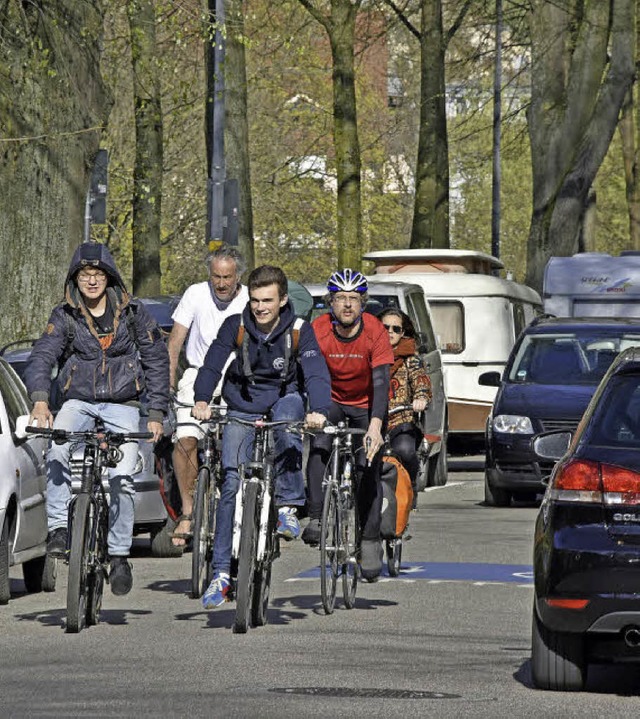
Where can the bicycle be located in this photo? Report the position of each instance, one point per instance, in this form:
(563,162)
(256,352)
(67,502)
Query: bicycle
(339,525)
(205,499)
(393,546)
(88,519)
(255,540)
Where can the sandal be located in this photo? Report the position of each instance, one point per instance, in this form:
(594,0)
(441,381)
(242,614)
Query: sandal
(185,536)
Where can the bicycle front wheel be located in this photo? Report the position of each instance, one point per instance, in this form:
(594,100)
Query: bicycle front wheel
(329,548)
(204,517)
(96,572)
(349,539)
(77,585)
(246,557)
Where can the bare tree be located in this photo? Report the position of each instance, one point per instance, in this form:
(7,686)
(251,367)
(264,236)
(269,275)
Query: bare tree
(582,67)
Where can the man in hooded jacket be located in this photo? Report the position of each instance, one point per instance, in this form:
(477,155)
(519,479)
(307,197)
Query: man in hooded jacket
(110,352)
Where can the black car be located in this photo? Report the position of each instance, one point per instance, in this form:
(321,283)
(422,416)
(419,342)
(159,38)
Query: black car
(551,375)
(587,537)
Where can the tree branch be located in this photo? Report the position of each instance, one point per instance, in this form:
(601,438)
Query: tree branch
(403,18)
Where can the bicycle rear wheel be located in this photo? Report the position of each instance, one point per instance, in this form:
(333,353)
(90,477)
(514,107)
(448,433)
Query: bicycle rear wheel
(246,557)
(96,573)
(77,585)
(204,517)
(350,538)
(329,546)
(394,556)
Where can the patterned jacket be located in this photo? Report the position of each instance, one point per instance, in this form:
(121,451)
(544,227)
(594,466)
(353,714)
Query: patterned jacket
(409,381)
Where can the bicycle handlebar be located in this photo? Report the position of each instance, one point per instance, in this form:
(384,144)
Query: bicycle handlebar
(403,408)
(62,436)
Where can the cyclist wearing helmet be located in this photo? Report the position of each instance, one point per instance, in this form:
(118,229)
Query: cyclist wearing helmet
(358,353)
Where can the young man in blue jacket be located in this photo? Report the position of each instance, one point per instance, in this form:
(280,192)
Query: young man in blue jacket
(110,351)
(265,377)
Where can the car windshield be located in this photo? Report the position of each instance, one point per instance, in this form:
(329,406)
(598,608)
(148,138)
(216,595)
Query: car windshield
(568,358)
(616,420)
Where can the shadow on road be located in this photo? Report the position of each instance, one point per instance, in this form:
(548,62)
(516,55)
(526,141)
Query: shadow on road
(57,617)
(282,611)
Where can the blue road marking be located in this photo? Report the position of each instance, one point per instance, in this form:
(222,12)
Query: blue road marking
(453,572)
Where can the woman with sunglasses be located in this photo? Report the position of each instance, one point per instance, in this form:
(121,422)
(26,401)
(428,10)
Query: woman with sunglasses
(410,385)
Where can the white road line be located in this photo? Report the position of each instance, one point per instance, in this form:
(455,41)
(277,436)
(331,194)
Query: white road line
(444,486)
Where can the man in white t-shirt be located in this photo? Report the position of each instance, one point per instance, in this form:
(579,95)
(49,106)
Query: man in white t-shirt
(200,314)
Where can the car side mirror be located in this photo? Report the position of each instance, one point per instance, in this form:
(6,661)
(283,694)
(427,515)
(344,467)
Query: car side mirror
(551,445)
(21,426)
(489,379)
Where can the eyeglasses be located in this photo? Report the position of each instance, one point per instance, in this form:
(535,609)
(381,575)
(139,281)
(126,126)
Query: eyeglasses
(97,277)
(343,300)
(393,328)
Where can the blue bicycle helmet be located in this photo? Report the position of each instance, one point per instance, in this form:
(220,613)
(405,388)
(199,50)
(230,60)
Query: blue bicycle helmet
(347,280)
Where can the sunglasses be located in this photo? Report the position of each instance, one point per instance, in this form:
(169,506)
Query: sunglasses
(393,328)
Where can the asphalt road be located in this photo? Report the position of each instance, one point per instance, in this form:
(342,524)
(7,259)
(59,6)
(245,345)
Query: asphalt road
(448,638)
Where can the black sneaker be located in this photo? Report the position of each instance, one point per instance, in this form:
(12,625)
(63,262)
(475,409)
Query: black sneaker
(57,542)
(120,577)
(311,534)
(370,559)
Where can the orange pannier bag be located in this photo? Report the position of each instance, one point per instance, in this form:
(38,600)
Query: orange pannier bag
(397,497)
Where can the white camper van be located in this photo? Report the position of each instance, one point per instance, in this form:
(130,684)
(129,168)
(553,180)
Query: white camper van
(477,317)
(593,284)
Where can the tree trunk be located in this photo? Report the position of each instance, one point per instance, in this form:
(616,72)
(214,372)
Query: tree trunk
(628,127)
(53,107)
(237,126)
(431,209)
(345,134)
(582,67)
(147,170)
(341,27)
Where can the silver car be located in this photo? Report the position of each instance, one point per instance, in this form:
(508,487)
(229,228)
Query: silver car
(23,517)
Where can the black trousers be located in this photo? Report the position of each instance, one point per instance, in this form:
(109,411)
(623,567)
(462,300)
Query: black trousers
(369,491)
(405,440)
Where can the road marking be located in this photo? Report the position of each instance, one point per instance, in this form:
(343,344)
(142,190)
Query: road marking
(444,486)
(476,573)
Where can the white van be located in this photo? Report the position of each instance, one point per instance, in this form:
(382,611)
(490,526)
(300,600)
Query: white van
(410,299)
(477,317)
(593,284)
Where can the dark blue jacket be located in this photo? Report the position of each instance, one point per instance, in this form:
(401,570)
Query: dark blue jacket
(256,395)
(137,360)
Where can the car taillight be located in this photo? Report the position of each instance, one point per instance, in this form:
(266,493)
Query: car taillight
(577,481)
(621,486)
(567,603)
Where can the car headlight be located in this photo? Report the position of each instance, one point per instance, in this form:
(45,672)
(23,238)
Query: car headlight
(512,424)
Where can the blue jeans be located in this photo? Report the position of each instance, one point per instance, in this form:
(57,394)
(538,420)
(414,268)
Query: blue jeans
(77,416)
(237,445)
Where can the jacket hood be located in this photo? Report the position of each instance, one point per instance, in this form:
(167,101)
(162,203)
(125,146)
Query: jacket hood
(93,254)
(287,316)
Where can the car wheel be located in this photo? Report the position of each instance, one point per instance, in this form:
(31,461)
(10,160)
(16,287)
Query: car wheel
(161,544)
(557,658)
(5,589)
(438,469)
(495,496)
